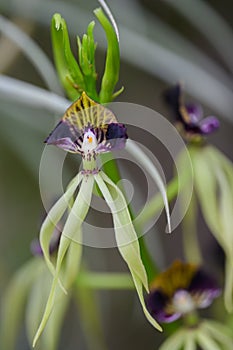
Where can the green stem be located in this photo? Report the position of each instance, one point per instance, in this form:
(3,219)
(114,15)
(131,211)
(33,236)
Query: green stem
(191,319)
(94,280)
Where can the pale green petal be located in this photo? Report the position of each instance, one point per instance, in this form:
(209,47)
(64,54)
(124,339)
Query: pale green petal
(225,198)
(139,288)
(125,232)
(190,340)
(36,304)
(79,210)
(73,260)
(13,302)
(142,158)
(174,342)
(71,232)
(206,188)
(228,290)
(126,237)
(53,217)
(219,332)
(206,342)
(36,300)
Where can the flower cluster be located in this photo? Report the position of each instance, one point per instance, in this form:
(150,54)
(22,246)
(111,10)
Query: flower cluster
(180,290)
(189,116)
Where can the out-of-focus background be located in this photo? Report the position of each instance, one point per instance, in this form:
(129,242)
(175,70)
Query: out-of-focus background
(161,42)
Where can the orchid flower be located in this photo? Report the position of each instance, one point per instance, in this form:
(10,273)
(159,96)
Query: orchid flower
(213,183)
(90,129)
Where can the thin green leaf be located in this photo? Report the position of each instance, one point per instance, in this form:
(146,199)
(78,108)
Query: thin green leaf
(142,158)
(69,72)
(112,63)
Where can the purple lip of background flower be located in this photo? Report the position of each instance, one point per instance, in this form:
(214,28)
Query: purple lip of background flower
(202,288)
(190,115)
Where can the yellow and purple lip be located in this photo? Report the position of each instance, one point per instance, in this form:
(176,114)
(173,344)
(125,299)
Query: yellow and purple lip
(182,288)
(88,127)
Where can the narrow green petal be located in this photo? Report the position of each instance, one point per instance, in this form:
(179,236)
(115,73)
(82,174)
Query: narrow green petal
(228,289)
(71,231)
(53,217)
(175,341)
(139,288)
(47,312)
(51,335)
(73,260)
(36,300)
(190,340)
(206,189)
(205,341)
(225,198)
(13,302)
(219,332)
(126,237)
(125,233)
(142,158)
(79,210)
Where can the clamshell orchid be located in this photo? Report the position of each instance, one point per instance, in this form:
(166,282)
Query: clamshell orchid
(90,129)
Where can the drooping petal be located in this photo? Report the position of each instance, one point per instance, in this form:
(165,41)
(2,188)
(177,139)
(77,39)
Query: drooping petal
(52,219)
(126,238)
(175,341)
(142,158)
(219,332)
(71,232)
(205,341)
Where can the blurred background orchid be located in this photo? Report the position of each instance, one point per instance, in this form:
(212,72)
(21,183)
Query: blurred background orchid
(159,44)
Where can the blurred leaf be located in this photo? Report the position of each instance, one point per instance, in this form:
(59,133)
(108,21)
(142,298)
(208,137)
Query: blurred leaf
(14,300)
